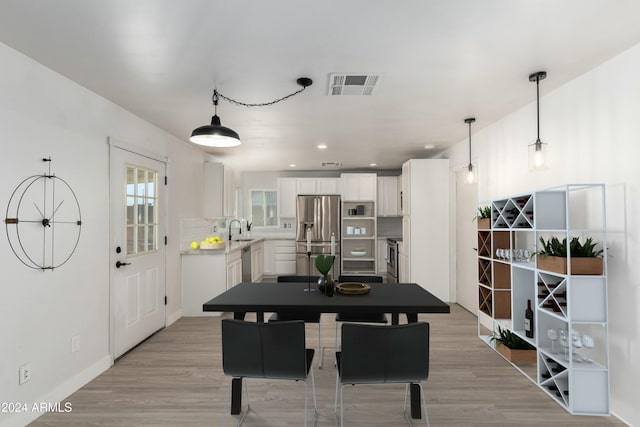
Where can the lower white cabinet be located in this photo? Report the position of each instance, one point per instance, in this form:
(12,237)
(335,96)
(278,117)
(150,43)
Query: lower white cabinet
(284,257)
(279,257)
(257,261)
(234,268)
(201,281)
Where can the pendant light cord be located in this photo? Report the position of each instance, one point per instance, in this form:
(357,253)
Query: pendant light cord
(469,142)
(302,82)
(538,104)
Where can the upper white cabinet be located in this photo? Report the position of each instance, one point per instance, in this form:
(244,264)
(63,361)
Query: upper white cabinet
(317,185)
(327,185)
(305,186)
(289,188)
(359,186)
(388,202)
(219,192)
(287,192)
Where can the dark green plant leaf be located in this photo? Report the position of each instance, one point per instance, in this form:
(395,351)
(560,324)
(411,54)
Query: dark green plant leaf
(324,263)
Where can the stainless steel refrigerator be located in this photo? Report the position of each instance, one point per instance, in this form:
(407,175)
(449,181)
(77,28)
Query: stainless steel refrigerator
(321,215)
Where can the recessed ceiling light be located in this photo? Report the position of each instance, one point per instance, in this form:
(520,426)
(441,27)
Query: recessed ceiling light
(322,146)
(292,165)
(429,146)
(373,164)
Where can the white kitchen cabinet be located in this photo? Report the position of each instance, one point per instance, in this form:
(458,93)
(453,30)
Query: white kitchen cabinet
(279,257)
(229,206)
(219,191)
(257,261)
(403,264)
(269,260)
(213,185)
(327,185)
(305,186)
(359,238)
(234,268)
(290,188)
(425,224)
(388,197)
(359,186)
(284,257)
(287,192)
(381,256)
(202,279)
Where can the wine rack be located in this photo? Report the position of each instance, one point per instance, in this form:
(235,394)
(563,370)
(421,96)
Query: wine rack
(570,311)
(484,243)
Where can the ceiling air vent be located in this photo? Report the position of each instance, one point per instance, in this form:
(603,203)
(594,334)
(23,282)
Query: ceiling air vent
(352,83)
(331,164)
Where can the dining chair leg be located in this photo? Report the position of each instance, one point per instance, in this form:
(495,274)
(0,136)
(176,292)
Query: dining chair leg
(226,403)
(315,402)
(341,406)
(424,405)
(320,345)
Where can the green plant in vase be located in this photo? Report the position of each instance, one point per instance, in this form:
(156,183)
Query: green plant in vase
(483,217)
(586,258)
(511,340)
(324,263)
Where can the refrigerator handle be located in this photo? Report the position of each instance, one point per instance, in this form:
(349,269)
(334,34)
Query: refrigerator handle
(317,216)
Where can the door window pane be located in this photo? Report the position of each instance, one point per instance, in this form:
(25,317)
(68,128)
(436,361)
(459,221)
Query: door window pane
(141,207)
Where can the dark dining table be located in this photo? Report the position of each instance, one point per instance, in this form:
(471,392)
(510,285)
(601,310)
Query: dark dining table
(409,299)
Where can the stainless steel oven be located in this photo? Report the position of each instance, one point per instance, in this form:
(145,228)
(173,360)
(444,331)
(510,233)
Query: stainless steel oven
(392,260)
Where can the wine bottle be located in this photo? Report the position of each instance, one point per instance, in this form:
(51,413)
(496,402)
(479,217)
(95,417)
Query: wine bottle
(528,320)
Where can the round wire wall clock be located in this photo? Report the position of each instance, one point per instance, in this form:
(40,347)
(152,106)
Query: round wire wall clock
(43,221)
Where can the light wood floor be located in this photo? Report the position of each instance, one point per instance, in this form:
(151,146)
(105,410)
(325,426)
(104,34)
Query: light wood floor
(176,379)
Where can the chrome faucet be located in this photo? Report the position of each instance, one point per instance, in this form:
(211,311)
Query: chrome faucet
(239,226)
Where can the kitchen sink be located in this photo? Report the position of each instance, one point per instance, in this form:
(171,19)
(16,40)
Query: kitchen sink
(248,239)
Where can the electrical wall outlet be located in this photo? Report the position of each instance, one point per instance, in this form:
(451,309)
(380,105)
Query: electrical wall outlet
(24,373)
(75,343)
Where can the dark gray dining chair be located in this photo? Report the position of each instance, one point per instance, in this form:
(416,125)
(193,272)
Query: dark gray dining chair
(266,350)
(373,354)
(307,317)
(359,317)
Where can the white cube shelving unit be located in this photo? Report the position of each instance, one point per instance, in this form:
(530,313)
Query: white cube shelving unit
(575,376)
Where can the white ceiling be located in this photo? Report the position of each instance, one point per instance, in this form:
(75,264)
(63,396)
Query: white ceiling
(440,61)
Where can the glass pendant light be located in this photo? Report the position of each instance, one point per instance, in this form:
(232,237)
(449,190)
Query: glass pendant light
(538,151)
(471,178)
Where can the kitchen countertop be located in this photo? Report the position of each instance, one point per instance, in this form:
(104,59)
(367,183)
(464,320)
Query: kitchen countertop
(237,245)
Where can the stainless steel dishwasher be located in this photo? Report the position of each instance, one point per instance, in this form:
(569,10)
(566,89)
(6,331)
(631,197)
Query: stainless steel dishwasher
(246,264)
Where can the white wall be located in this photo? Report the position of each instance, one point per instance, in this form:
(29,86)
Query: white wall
(592,126)
(44,114)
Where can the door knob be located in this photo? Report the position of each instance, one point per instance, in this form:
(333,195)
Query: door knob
(120,264)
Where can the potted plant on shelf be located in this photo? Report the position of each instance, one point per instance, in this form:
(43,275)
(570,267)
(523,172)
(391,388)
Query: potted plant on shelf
(326,283)
(484,218)
(513,348)
(585,258)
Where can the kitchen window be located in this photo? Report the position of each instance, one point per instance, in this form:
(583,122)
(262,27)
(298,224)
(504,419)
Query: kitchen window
(264,208)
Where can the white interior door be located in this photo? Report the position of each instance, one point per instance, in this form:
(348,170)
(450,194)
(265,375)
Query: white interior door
(466,241)
(137,248)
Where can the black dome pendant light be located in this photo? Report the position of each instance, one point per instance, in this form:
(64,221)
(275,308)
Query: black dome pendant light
(216,135)
(538,153)
(470,175)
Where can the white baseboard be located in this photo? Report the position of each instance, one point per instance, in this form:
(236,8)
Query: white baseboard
(172,317)
(59,393)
